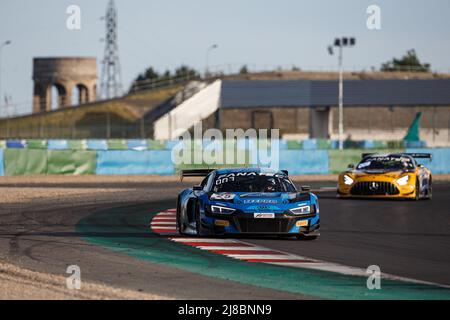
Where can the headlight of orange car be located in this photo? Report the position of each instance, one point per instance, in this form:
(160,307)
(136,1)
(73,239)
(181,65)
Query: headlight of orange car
(348,180)
(403,181)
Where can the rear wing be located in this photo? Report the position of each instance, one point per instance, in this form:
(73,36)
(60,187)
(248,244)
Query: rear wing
(414,155)
(366,155)
(195,173)
(420,155)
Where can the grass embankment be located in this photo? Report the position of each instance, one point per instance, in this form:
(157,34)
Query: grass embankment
(69,122)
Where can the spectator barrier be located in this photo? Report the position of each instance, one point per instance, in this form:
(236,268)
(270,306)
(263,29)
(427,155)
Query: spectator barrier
(2,173)
(118,162)
(140,157)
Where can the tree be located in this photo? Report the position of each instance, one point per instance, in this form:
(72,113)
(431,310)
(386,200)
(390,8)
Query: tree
(151,77)
(186,72)
(165,77)
(244,70)
(151,74)
(409,62)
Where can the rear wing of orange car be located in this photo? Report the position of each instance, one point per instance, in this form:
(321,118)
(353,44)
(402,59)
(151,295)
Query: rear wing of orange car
(414,155)
(420,155)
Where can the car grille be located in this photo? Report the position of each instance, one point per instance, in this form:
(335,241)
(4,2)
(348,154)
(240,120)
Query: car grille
(374,188)
(252,225)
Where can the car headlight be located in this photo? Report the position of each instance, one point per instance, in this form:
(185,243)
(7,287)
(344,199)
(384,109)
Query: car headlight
(403,180)
(301,210)
(347,180)
(222,210)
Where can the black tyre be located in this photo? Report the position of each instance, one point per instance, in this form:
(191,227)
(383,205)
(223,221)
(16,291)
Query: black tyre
(430,190)
(417,190)
(198,222)
(180,225)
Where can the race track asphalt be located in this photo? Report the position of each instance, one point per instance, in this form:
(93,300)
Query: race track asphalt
(405,238)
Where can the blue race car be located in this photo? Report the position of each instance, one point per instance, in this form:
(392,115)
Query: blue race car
(247,201)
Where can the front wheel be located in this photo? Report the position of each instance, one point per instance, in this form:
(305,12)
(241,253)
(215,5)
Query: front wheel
(430,190)
(198,220)
(180,225)
(430,194)
(417,197)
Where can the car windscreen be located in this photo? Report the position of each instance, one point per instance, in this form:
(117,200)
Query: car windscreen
(388,163)
(252,182)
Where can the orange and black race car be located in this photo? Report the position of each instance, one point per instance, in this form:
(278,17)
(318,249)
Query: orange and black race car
(387,176)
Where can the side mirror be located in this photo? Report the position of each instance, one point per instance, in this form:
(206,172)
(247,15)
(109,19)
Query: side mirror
(420,165)
(197,188)
(305,188)
(351,166)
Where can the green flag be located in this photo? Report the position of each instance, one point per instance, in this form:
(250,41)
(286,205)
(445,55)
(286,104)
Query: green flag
(413,131)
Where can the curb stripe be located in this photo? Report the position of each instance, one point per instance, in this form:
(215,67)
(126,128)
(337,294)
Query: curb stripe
(246,251)
(279,260)
(165,228)
(258,257)
(237,247)
(251,253)
(217,244)
(198,240)
(164,224)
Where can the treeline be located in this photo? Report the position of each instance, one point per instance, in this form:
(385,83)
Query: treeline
(409,62)
(152,76)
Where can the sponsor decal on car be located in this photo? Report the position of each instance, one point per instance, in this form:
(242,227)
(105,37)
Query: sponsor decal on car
(264,215)
(257,201)
(303,223)
(223,196)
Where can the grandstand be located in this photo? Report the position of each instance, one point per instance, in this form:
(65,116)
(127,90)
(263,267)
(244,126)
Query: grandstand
(301,109)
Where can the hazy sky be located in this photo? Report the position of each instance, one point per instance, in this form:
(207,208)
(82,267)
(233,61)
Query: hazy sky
(260,33)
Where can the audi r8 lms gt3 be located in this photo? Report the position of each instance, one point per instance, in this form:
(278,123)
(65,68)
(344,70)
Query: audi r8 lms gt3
(387,176)
(247,201)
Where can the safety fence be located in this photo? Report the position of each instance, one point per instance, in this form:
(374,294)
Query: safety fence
(149,144)
(148,157)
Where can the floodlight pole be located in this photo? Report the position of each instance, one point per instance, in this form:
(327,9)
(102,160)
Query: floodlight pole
(341,100)
(341,43)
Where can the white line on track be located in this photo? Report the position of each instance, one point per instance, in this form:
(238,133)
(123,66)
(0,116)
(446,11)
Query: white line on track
(267,257)
(324,267)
